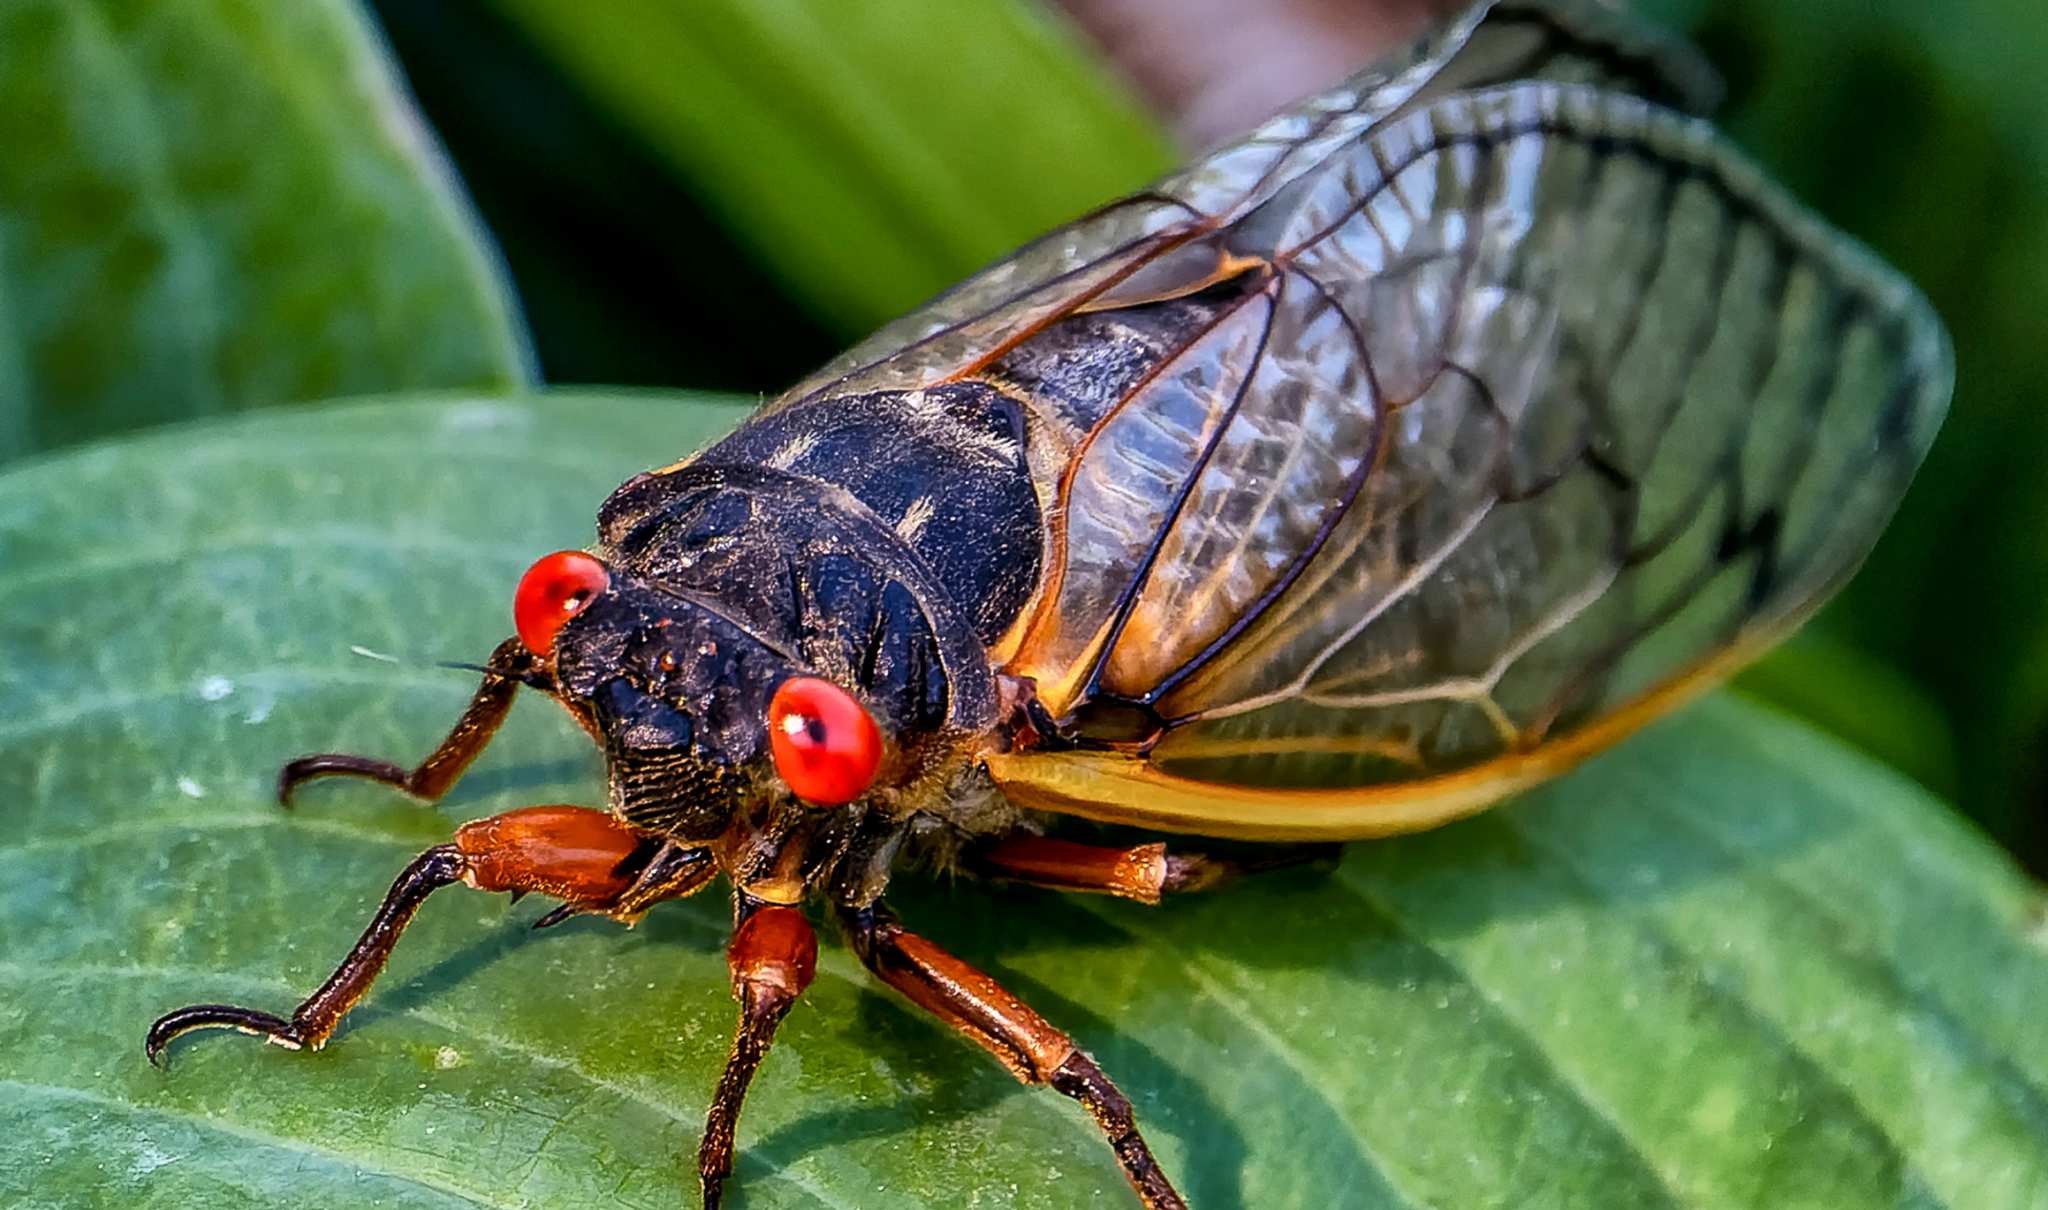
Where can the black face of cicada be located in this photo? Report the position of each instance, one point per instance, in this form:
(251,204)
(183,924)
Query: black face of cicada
(797,571)
(719,588)
(677,694)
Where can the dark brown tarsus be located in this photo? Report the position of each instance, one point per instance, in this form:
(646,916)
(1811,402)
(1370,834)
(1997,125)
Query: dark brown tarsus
(503,674)
(314,1021)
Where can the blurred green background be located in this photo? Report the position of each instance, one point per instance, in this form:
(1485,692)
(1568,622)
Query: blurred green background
(721,193)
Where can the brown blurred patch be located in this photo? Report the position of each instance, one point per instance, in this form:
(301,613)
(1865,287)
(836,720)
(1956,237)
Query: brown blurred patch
(1216,68)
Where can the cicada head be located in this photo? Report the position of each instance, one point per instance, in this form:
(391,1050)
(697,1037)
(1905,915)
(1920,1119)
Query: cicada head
(742,643)
(676,695)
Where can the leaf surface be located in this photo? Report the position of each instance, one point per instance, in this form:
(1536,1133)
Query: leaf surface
(1729,964)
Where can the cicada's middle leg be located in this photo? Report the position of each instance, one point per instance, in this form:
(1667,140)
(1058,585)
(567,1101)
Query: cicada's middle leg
(1025,1042)
(1144,872)
(589,859)
(432,777)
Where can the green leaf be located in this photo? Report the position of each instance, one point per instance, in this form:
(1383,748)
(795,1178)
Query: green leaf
(1842,689)
(871,154)
(1730,963)
(211,205)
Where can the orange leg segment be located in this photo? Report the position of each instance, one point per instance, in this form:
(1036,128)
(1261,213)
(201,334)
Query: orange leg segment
(1025,1042)
(773,956)
(434,775)
(586,858)
(1143,873)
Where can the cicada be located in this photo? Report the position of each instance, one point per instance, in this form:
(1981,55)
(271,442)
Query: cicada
(1433,437)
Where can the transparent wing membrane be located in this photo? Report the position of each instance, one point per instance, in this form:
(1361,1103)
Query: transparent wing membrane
(1550,398)
(1480,405)
(975,321)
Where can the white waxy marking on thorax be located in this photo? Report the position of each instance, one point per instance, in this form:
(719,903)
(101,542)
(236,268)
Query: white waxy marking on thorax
(915,518)
(789,455)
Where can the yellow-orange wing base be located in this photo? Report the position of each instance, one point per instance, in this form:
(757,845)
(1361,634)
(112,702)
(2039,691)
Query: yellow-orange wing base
(1117,788)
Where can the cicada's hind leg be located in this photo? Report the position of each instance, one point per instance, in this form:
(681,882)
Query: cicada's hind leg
(587,858)
(434,775)
(1144,872)
(773,956)
(1025,1042)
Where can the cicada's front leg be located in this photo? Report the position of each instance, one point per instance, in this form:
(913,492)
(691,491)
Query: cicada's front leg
(589,859)
(432,777)
(1025,1042)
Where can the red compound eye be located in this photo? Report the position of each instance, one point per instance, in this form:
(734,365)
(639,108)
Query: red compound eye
(551,592)
(826,746)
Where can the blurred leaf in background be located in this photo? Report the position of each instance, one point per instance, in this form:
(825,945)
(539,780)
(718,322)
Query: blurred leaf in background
(214,205)
(715,193)
(870,155)
(625,276)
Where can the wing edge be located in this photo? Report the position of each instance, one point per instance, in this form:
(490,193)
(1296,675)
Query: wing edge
(1106,787)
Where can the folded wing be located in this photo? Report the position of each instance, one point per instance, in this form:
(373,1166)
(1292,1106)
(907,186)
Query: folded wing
(1540,401)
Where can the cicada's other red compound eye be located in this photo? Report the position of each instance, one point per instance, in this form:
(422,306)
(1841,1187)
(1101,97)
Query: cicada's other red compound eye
(551,592)
(826,745)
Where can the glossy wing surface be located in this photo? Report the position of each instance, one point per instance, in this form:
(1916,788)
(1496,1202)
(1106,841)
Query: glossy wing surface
(1162,241)
(1542,401)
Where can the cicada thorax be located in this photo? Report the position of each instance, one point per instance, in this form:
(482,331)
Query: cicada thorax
(875,544)
(944,471)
